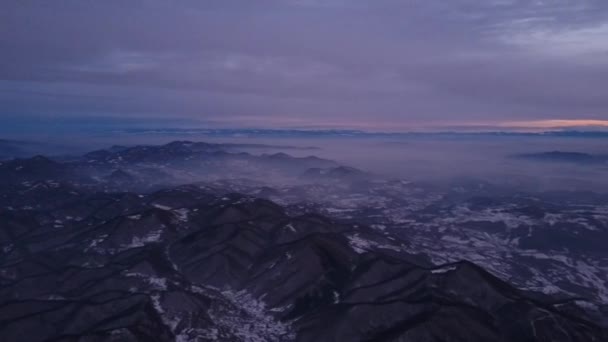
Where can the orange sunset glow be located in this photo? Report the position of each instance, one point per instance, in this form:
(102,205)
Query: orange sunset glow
(540,124)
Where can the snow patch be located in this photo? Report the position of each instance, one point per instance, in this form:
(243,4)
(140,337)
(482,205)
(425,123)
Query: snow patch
(251,322)
(291,227)
(361,245)
(442,270)
(161,207)
(136,241)
(182,214)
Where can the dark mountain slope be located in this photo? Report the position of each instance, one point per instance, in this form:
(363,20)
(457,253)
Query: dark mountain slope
(185,265)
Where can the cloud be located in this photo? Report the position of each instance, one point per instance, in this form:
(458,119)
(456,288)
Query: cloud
(589,44)
(310,62)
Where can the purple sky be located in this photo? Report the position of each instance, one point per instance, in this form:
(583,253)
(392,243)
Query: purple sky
(370,64)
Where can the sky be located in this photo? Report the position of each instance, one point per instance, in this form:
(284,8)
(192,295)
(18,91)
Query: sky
(390,65)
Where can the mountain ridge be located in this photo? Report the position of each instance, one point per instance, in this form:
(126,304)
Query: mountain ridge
(94,259)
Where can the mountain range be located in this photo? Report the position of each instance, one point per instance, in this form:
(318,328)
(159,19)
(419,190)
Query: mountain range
(192,242)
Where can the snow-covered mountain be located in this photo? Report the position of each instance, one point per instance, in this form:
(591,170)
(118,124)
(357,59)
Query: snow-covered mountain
(189,242)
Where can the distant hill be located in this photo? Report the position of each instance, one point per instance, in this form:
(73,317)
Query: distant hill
(565,157)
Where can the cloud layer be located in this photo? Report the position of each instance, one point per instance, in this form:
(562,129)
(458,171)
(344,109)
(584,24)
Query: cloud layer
(276,63)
